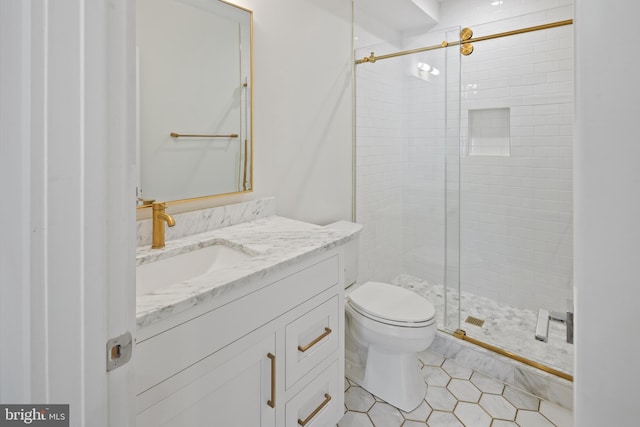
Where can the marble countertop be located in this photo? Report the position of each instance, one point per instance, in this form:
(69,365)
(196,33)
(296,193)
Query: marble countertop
(274,242)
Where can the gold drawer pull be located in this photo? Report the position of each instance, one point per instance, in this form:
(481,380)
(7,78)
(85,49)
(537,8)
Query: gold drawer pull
(272,402)
(326,332)
(324,403)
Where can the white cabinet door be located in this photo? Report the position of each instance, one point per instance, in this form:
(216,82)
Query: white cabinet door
(230,388)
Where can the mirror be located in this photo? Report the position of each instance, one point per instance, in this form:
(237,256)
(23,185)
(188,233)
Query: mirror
(194,71)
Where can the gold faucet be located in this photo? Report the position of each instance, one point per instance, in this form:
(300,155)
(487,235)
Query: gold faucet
(159,218)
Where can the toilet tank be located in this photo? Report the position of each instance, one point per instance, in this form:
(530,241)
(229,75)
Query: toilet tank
(350,252)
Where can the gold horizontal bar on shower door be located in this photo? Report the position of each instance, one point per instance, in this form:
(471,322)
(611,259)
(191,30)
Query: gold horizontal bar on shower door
(184,135)
(373,58)
(461,334)
(521,31)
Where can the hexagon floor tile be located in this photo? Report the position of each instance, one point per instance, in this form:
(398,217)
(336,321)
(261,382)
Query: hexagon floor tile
(456,397)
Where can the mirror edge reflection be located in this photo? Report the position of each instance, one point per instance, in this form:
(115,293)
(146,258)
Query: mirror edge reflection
(147,204)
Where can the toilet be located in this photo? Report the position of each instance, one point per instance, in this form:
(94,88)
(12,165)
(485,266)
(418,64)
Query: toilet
(386,327)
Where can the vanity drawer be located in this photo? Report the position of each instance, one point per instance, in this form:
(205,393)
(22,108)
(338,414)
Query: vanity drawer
(317,405)
(310,339)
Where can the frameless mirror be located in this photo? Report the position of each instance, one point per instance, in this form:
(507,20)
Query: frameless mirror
(194,99)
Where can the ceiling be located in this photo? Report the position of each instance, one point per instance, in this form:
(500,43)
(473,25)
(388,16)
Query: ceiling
(402,15)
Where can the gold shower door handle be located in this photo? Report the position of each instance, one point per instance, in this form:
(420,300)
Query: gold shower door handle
(326,332)
(324,403)
(272,402)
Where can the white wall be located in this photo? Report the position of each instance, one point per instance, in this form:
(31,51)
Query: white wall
(302,109)
(607,235)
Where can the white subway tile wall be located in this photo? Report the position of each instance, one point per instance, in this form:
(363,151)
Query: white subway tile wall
(379,141)
(515,211)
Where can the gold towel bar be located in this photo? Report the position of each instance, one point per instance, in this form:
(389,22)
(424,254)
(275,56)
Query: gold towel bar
(182,135)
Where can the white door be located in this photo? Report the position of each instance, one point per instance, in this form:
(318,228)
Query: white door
(67,271)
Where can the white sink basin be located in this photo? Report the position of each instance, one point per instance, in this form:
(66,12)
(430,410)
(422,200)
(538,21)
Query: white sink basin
(167,271)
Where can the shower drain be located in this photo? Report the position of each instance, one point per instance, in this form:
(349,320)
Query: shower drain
(474,321)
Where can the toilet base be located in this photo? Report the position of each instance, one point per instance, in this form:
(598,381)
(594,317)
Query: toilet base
(394,378)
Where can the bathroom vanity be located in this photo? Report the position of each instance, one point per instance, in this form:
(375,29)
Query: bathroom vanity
(256,341)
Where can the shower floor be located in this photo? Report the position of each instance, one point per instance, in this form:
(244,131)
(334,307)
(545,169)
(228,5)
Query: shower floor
(506,327)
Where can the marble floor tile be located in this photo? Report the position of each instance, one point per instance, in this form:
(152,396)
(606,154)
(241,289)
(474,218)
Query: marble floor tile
(471,414)
(507,327)
(532,419)
(383,414)
(443,419)
(520,399)
(464,390)
(498,407)
(355,419)
(503,423)
(475,400)
(421,413)
(487,384)
(558,415)
(434,375)
(456,371)
(358,399)
(439,398)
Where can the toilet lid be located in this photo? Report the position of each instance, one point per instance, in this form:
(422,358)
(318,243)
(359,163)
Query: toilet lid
(391,303)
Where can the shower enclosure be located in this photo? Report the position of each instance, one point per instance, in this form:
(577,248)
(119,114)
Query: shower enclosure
(464,178)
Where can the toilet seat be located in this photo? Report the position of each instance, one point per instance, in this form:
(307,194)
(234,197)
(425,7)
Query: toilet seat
(392,305)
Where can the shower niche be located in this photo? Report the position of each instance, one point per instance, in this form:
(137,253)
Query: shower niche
(489,132)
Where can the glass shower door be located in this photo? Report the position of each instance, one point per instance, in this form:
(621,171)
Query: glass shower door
(407,150)
(515,180)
